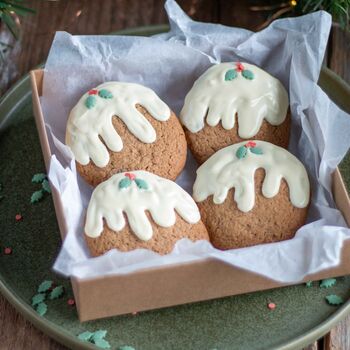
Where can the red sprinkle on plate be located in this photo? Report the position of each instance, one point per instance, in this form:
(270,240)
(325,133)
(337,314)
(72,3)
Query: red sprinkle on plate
(7,251)
(71,302)
(18,217)
(271,306)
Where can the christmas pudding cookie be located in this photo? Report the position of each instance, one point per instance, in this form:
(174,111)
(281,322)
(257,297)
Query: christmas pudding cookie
(141,210)
(251,193)
(249,103)
(116,127)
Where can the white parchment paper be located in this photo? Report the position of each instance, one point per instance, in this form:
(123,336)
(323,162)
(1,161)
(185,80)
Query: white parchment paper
(290,49)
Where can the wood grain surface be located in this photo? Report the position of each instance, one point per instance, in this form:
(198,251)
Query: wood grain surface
(99,17)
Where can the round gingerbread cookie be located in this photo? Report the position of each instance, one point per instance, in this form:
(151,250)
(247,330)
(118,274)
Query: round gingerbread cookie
(141,210)
(249,103)
(118,127)
(252,193)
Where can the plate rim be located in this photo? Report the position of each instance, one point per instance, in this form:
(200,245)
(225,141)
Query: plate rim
(58,333)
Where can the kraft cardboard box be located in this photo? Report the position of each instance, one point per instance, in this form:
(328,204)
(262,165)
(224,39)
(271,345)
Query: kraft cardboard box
(171,285)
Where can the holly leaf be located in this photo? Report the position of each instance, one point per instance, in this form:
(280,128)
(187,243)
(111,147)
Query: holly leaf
(44,286)
(85,336)
(36,196)
(241,152)
(124,183)
(126,347)
(90,102)
(100,334)
(102,344)
(248,74)
(230,75)
(142,184)
(308,284)
(327,283)
(38,178)
(46,186)
(38,298)
(256,150)
(41,309)
(56,292)
(105,93)
(334,299)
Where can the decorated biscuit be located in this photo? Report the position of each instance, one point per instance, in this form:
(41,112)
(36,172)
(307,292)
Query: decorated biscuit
(121,126)
(251,193)
(231,102)
(141,210)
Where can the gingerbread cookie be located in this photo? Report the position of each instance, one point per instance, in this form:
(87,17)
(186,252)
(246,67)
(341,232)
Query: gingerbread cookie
(251,193)
(141,210)
(118,127)
(249,103)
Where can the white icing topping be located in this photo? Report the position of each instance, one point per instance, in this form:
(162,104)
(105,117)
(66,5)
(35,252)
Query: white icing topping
(85,126)
(162,198)
(224,170)
(214,98)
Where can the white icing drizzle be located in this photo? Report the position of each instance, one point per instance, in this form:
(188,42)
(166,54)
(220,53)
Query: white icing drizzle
(214,98)
(162,198)
(224,170)
(85,126)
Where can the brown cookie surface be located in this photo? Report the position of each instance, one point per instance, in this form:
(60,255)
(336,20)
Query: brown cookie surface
(271,220)
(162,241)
(165,157)
(207,141)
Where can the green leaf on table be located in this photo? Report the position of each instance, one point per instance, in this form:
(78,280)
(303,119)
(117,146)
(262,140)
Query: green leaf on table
(56,292)
(85,336)
(102,344)
(38,298)
(38,178)
(41,309)
(327,283)
(45,286)
(100,334)
(36,196)
(46,186)
(334,299)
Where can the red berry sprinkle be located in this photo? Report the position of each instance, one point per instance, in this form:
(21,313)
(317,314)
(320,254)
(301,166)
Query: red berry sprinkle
(93,92)
(71,302)
(18,217)
(250,144)
(130,176)
(7,251)
(239,67)
(271,306)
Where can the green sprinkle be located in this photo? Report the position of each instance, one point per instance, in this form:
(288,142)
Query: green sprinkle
(241,152)
(308,284)
(56,292)
(334,299)
(36,196)
(124,183)
(126,347)
(38,298)
(248,74)
(46,186)
(38,178)
(105,94)
(100,334)
(327,283)
(230,75)
(85,336)
(102,343)
(142,184)
(44,286)
(41,309)
(90,102)
(256,150)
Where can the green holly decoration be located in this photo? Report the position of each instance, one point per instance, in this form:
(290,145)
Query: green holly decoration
(142,184)
(241,152)
(308,284)
(334,299)
(38,298)
(124,183)
(90,102)
(248,74)
(256,150)
(85,336)
(41,309)
(56,292)
(39,178)
(45,286)
(102,344)
(36,196)
(327,283)
(231,74)
(126,347)
(46,186)
(105,94)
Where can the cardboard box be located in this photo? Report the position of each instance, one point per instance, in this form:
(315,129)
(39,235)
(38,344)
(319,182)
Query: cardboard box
(171,285)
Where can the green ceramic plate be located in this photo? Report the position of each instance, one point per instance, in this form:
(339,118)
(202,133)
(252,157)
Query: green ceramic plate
(241,322)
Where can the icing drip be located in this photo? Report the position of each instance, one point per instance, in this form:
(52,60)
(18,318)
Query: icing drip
(91,119)
(159,196)
(229,88)
(225,170)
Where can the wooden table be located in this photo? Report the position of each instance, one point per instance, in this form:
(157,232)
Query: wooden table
(99,17)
